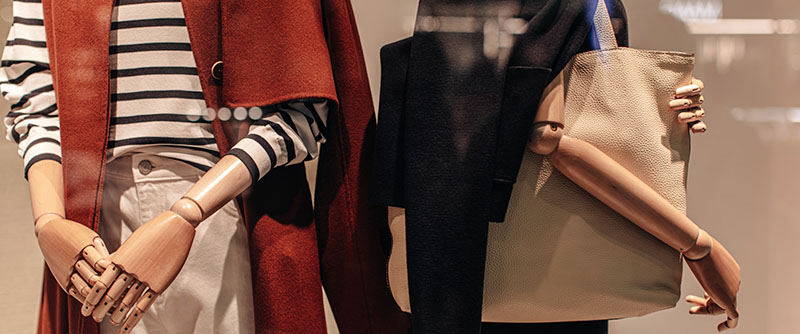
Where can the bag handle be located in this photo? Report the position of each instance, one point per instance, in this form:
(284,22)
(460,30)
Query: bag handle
(603,26)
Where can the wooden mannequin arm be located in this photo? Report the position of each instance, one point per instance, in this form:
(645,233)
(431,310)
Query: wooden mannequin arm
(227,179)
(609,181)
(622,191)
(46,185)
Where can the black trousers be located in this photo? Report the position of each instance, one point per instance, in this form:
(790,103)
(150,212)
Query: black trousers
(584,327)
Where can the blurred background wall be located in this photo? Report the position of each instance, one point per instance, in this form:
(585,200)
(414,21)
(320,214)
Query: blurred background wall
(20,258)
(743,182)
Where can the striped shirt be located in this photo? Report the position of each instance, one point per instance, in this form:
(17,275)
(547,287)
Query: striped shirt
(156,100)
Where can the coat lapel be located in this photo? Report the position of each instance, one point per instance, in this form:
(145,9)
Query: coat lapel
(82,80)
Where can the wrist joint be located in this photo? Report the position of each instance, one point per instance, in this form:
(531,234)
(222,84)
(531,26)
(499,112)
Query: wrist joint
(189,210)
(42,219)
(701,247)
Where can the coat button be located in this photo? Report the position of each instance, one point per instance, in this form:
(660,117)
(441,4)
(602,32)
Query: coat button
(145,167)
(216,70)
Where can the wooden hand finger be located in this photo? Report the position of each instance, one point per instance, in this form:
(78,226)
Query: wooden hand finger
(141,307)
(691,115)
(686,117)
(697,300)
(722,326)
(727,324)
(688,90)
(99,289)
(711,309)
(699,127)
(87,272)
(731,323)
(729,309)
(93,256)
(102,309)
(686,103)
(100,246)
(697,310)
(130,298)
(699,113)
(733,314)
(112,295)
(80,285)
(75,294)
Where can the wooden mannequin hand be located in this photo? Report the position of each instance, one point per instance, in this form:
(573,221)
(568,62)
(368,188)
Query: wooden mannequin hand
(688,103)
(74,253)
(719,274)
(149,260)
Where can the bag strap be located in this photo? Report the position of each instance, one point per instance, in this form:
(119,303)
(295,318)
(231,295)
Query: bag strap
(603,26)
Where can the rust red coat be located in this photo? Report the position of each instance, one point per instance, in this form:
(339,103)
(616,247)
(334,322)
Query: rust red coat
(272,51)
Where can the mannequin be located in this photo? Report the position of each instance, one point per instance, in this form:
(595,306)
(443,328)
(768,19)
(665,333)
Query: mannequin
(453,169)
(449,145)
(323,62)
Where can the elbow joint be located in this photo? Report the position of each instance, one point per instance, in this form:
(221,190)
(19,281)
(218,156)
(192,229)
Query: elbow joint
(545,138)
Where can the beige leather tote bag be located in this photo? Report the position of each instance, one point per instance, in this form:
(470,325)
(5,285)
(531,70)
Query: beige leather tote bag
(561,254)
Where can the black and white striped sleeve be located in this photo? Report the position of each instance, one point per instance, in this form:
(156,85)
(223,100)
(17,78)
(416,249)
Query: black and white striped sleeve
(26,83)
(286,134)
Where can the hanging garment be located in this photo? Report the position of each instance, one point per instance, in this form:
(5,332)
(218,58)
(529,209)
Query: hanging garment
(455,115)
(561,254)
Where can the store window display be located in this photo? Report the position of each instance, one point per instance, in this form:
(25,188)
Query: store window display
(741,184)
(449,195)
(140,121)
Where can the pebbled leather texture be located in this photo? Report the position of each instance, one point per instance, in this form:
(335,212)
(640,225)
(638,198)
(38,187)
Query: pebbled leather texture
(561,254)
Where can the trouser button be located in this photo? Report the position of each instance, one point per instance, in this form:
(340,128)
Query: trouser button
(145,167)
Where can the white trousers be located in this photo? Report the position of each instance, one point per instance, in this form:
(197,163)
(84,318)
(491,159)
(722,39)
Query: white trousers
(213,291)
